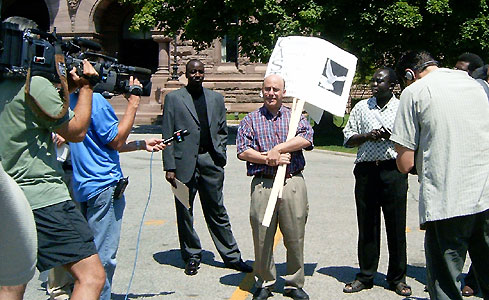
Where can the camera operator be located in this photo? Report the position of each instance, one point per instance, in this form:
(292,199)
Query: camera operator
(28,156)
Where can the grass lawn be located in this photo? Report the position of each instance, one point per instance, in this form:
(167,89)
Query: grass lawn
(331,144)
(337,149)
(231,116)
(333,141)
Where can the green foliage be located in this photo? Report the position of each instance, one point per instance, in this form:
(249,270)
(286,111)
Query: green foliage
(375,31)
(441,7)
(402,14)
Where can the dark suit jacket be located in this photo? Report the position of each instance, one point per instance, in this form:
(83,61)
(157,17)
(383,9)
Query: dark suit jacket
(179,113)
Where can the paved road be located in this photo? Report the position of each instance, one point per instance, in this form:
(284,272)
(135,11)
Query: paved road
(331,237)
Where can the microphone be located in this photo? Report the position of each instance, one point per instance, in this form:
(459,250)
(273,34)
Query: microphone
(87,43)
(139,70)
(177,136)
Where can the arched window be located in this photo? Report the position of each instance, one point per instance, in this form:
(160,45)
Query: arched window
(138,48)
(229,49)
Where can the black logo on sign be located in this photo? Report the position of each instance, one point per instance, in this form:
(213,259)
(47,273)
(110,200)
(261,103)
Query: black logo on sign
(333,77)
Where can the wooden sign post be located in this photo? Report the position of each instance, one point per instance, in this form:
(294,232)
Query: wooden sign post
(278,183)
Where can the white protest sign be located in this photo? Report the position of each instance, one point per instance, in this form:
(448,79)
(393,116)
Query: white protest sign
(319,75)
(315,71)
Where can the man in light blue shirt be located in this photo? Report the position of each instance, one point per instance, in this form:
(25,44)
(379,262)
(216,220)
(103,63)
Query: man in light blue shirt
(97,174)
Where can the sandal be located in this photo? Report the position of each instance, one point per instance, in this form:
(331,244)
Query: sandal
(356,286)
(401,288)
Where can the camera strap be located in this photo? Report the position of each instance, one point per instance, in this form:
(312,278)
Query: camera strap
(60,67)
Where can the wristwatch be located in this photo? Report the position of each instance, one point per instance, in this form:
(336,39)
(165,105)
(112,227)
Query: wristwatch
(138,144)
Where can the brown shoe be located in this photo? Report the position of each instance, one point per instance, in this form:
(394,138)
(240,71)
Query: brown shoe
(467,291)
(356,286)
(401,288)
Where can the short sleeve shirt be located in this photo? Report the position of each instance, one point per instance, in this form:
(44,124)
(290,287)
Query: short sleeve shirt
(95,164)
(27,150)
(363,119)
(262,131)
(444,117)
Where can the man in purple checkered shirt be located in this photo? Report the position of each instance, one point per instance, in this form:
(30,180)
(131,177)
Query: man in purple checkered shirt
(261,142)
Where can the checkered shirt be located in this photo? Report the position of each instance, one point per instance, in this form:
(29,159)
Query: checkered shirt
(261,131)
(362,120)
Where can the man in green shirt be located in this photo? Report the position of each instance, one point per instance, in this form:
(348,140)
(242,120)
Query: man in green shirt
(29,157)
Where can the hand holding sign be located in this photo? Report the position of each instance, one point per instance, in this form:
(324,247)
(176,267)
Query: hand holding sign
(315,71)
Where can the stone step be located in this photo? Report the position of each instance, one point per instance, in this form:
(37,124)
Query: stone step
(142,118)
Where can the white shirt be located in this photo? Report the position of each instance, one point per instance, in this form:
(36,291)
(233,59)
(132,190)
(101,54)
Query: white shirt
(362,120)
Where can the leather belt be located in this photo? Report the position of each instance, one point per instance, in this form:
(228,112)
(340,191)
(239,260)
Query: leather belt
(67,167)
(379,162)
(268,176)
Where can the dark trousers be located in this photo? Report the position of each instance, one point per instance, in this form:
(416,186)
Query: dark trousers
(208,181)
(446,245)
(471,280)
(380,186)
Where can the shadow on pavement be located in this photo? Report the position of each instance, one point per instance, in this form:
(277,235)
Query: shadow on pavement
(417,273)
(153,129)
(247,283)
(136,296)
(343,274)
(346,274)
(173,258)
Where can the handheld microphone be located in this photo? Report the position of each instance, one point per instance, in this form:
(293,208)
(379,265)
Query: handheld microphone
(87,43)
(139,70)
(177,136)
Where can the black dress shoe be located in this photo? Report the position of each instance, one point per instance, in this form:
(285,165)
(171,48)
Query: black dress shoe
(240,266)
(191,267)
(262,294)
(296,294)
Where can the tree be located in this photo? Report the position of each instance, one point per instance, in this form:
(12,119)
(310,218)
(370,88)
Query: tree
(375,31)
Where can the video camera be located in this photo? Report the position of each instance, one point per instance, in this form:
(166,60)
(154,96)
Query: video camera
(35,50)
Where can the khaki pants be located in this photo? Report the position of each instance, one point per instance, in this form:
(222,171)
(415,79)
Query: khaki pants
(291,215)
(60,284)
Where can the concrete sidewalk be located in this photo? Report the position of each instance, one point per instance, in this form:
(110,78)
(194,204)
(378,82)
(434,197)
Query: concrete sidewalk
(331,236)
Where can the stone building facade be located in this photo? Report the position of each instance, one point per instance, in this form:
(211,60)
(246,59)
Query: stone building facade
(107,22)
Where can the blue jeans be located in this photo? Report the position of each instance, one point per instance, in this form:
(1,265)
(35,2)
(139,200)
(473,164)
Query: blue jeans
(104,216)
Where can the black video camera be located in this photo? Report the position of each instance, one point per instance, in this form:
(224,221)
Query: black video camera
(35,50)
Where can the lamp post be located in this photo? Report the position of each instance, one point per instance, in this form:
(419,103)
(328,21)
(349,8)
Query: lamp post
(174,75)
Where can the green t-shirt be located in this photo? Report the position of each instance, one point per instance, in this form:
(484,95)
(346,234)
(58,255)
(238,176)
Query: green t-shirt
(26,147)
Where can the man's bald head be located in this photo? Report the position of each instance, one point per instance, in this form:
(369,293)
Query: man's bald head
(274,76)
(273,90)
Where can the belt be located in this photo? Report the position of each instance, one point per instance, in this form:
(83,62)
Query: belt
(268,176)
(379,163)
(67,167)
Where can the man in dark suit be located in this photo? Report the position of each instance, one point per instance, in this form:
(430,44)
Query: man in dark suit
(199,162)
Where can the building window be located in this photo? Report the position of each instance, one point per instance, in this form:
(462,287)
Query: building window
(229,49)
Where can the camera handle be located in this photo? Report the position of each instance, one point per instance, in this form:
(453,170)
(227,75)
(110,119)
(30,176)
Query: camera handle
(135,90)
(61,70)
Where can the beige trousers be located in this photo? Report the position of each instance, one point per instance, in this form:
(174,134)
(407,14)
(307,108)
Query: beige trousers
(60,284)
(291,215)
